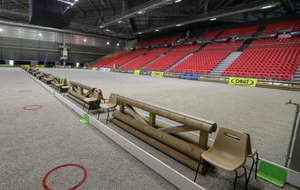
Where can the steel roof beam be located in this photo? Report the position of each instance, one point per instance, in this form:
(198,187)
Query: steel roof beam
(154,4)
(216,14)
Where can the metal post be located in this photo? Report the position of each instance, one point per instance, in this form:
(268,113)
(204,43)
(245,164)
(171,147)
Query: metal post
(293,131)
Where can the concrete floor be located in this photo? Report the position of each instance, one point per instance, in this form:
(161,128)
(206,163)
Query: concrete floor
(33,142)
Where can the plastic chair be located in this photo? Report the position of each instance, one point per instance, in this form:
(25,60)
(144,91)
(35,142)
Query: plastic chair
(252,153)
(228,152)
(112,103)
(93,98)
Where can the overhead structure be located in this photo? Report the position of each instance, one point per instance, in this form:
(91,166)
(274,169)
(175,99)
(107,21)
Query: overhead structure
(131,19)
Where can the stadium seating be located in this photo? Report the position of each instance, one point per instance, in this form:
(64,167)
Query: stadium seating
(205,60)
(151,55)
(209,36)
(289,26)
(171,57)
(238,32)
(201,62)
(110,58)
(268,59)
(126,58)
(233,46)
(170,41)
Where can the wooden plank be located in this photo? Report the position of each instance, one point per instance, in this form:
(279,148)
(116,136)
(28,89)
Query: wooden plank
(175,143)
(198,123)
(152,118)
(178,129)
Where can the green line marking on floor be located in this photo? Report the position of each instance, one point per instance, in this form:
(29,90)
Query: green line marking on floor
(85,119)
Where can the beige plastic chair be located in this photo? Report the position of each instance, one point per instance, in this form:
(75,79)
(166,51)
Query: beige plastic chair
(94,97)
(112,103)
(252,153)
(228,152)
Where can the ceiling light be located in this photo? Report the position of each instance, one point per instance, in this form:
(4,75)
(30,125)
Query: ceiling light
(156,30)
(140,12)
(107,30)
(212,19)
(119,21)
(40,34)
(101,26)
(140,33)
(267,7)
(1,29)
(84,40)
(178,24)
(107,43)
(177,1)
(118,44)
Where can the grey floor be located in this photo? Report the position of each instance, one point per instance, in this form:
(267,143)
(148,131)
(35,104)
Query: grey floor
(33,142)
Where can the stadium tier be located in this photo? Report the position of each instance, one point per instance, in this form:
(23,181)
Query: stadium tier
(209,36)
(171,57)
(139,62)
(109,59)
(238,32)
(201,62)
(126,58)
(269,59)
(205,60)
(289,26)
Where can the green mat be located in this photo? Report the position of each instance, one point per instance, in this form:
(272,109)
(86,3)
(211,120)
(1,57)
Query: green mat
(272,173)
(85,119)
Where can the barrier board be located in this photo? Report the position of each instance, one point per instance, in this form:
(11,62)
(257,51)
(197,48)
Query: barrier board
(157,74)
(242,81)
(40,66)
(137,72)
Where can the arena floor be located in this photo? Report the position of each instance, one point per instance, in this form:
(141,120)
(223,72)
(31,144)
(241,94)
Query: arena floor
(35,141)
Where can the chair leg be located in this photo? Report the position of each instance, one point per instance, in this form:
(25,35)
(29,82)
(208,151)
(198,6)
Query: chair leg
(253,162)
(256,163)
(107,116)
(236,176)
(245,177)
(99,113)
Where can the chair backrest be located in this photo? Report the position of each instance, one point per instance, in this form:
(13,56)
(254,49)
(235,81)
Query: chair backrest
(101,97)
(249,147)
(112,99)
(95,94)
(232,142)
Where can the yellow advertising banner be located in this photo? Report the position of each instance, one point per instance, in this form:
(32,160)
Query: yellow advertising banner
(40,66)
(94,68)
(242,81)
(137,72)
(157,74)
(26,65)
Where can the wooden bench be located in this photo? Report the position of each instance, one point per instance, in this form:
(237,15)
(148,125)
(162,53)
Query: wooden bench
(60,84)
(87,96)
(47,78)
(170,140)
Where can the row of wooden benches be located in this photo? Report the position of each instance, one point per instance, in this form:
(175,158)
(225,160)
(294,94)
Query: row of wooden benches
(89,97)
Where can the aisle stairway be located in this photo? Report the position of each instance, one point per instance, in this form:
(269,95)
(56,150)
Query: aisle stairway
(224,64)
(296,77)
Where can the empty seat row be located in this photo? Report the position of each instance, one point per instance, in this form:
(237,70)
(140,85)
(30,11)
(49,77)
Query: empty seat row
(110,58)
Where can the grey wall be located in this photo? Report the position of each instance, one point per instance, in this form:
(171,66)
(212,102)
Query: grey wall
(25,44)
